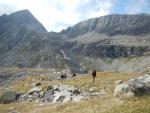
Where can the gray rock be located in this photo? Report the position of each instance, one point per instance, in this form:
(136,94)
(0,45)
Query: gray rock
(48,97)
(130,94)
(136,86)
(50,88)
(23,97)
(77,98)
(60,96)
(76,91)
(66,99)
(36,95)
(121,89)
(118,82)
(42,94)
(140,85)
(92,90)
(35,89)
(53,94)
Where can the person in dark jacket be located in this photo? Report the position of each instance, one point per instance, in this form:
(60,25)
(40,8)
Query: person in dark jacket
(74,75)
(63,76)
(94,75)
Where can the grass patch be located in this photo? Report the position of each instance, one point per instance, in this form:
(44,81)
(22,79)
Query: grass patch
(135,105)
(102,104)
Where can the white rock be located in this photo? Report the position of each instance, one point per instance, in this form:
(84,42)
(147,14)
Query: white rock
(103,92)
(64,94)
(91,90)
(37,101)
(77,98)
(42,93)
(67,99)
(35,89)
(66,88)
(130,94)
(141,84)
(147,79)
(118,82)
(121,89)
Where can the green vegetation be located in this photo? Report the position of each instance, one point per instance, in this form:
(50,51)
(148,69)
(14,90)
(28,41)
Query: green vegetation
(7,97)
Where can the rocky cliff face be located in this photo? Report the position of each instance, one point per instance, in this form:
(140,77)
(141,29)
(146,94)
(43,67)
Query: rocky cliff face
(115,24)
(111,36)
(24,42)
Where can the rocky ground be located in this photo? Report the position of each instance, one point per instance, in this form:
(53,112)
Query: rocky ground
(41,92)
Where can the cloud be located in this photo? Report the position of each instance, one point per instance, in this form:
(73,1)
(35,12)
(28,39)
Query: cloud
(139,6)
(6,8)
(58,14)
(95,8)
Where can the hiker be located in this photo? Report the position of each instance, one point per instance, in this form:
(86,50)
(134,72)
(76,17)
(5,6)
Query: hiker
(94,75)
(63,76)
(74,75)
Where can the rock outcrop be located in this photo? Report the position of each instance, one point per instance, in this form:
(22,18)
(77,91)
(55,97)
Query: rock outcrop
(140,85)
(134,87)
(57,94)
(53,94)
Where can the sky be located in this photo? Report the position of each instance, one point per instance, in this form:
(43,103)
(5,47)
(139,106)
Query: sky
(56,15)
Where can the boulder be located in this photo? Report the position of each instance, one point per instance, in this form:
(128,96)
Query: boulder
(77,98)
(118,82)
(36,95)
(92,90)
(42,94)
(121,90)
(24,97)
(67,99)
(35,89)
(8,97)
(140,85)
(49,96)
(135,86)
(63,96)
(53,94)
(130,94)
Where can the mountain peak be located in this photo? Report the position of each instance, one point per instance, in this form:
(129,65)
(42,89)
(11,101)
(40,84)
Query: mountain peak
(22,12)
(25,17)
(22,15)
(114,24)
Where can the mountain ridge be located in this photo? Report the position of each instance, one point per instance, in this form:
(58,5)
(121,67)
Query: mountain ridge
(26,43)
(113,24)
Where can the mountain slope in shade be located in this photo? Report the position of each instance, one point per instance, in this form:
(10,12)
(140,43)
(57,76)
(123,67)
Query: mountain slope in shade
(24,42)
(21,19)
